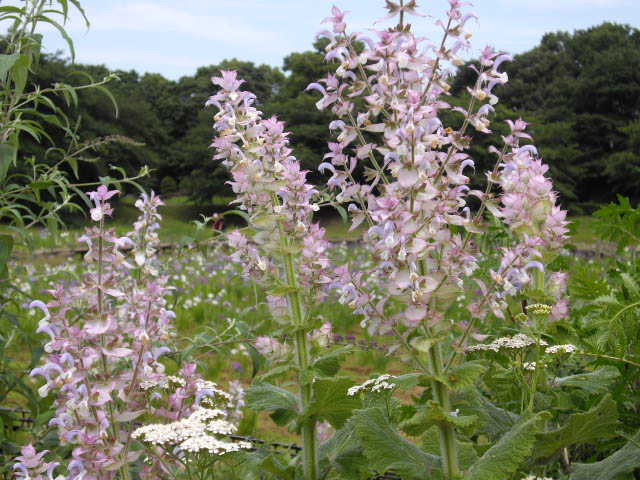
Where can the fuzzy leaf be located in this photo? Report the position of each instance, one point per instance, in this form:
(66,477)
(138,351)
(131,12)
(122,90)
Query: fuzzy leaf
(506,456)
(264,397)
(431,416)
(593,382)
(619,466)
(331,402)
(344,452)
(464,375)
(329,364)
(597,424)
(492,420)
(387,449)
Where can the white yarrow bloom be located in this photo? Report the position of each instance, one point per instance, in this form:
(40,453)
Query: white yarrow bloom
(375,385)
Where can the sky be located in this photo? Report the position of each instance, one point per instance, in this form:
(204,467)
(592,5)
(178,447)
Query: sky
(174,38)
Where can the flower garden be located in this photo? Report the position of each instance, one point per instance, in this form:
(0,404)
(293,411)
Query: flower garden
(454,333)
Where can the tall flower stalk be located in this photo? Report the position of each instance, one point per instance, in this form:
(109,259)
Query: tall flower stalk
(414,197)
(286,252)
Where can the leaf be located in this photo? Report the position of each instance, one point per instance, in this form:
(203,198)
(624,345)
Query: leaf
(277,372)
(618,466)
(409,380)
(433,415)
(594,382)
(6,246)
(265,460)
(239,213)
(63,33)
(593,426)
(492,420)
(506,456)
(8,154)
(344,452)
(21,73)
(328,365)
(109,95)
(6,64)
(387,449)
(331,401)
(264,397)
(463,375)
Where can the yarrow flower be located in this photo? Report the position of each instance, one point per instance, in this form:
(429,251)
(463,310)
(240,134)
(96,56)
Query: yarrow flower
(554,349)
(377,384)
(517,342)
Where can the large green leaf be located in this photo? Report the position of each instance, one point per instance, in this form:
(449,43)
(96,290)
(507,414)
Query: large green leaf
(593,382)
(264,397)
(506,456)
(329,364)
(331,402)
(344,452)
(387,449)
(492,420)
(21,72)
(431,415)
(6,64)
(597,424)
(463,375)
(618,466)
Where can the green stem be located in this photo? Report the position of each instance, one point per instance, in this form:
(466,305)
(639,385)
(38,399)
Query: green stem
(448,448)
(441,396)
(309,447)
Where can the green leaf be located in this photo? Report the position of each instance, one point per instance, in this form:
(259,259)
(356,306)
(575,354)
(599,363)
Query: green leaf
(431,415)
(593,426)
(8,154)
(331,401)
(239,213)
(265,460)
(387,449)
(6,246)
(464,375)
(508,453)
(63,33)
(264,397)
(328,365)
(595,382)
(109,95)
(279,371)
(344,452)
(492,420)
(21,73)
(619,466)
(409,380)
(6,64)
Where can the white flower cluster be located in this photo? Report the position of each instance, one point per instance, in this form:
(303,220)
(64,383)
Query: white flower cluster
(220,398)
(539,309)
(374,384)
(568,348)
(533,477)
(193,434)
(517,342)
(531,366)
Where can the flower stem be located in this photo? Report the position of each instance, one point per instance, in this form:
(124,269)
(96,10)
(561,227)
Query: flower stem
(309,447)
(448,448)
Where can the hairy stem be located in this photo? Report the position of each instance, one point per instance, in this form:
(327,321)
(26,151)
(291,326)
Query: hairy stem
(309,447)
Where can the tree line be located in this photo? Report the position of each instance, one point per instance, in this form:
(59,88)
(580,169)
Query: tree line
(579,91)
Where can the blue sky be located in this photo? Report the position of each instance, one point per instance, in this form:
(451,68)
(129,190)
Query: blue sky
(176,37)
